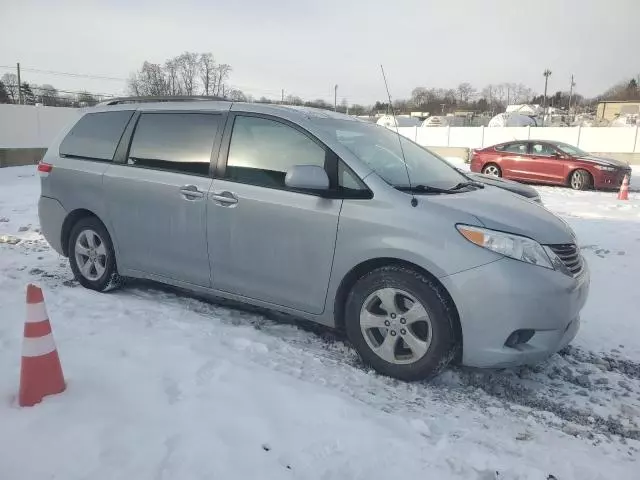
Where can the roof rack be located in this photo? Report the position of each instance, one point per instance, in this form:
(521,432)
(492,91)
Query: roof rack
(160,98)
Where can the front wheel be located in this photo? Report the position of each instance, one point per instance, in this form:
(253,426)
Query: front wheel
(580,180)
(400,324)
(92,257)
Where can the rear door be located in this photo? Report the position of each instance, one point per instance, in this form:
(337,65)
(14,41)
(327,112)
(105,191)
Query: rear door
(266,241)
(157,195)
(545,165)
(513,160)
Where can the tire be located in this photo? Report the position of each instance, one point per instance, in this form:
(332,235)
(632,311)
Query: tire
(91,256)
(400,287)
(492,169)
(580,180)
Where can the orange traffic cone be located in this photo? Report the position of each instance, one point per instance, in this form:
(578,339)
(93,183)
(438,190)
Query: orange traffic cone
(41,373)
(623,194)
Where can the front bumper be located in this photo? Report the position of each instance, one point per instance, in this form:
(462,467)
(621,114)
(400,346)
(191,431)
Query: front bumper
(611,180)
(52,215)
(507,296)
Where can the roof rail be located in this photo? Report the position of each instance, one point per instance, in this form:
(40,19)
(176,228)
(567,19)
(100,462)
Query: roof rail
(160,98)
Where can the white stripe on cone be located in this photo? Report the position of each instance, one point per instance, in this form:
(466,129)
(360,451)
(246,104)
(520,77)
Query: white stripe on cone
(36,312)
(36,347)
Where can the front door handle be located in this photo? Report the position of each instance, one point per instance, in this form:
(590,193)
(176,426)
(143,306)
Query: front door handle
(191,192)
(224,199)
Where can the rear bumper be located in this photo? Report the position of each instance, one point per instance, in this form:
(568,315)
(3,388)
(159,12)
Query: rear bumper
(508,296)
(52,215)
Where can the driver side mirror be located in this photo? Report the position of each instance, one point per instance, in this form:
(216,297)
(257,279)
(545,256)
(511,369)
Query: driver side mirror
(307,177)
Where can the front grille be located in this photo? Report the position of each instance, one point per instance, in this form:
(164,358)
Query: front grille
(570,256)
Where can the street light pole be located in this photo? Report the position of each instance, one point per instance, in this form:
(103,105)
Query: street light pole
(547,74)
(335,98)
(573,84)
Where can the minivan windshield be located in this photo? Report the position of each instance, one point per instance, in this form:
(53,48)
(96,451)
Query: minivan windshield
(378,147)
(571,150)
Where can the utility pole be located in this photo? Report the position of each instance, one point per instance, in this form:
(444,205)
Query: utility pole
(547,74)
(19,84)
(335,98)
(571,85)
(283,95)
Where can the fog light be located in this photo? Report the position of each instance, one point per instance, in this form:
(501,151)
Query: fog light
(519,337)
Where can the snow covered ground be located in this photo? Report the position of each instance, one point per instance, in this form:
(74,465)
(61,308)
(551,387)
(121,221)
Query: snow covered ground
(164,385)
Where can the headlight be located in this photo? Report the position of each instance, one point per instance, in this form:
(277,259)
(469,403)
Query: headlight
(606,168)
(508,244)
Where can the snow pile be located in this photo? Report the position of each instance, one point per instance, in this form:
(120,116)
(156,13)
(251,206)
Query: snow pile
(164,385)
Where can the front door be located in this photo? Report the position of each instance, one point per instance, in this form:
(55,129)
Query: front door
(157,200)
(545,164)
(267,242)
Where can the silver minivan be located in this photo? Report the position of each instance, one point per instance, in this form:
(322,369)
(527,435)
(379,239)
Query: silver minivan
(318,215)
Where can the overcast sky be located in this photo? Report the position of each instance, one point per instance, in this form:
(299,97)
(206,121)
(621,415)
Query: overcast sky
(306,47)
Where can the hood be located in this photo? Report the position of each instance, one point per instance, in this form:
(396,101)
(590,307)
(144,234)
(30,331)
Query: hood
(610,162)
(515,187)
(497,209)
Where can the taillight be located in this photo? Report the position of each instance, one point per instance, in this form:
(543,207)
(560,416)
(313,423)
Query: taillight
(44,169)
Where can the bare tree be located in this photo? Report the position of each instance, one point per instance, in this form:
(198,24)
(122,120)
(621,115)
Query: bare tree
(10,81)
(48,94)
(293,100)
(419,96)
(171,73)
(207,71)
(236,96)
(221,74)
(465,92)
(149,81)
(188,68)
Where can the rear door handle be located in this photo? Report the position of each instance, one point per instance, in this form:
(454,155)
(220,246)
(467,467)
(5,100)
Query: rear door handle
(191,192)
(224,199)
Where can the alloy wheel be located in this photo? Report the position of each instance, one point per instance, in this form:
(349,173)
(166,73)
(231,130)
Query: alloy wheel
(396,326)
(90,254)
(492,170)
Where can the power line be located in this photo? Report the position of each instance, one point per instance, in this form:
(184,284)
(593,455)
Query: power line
(65,74)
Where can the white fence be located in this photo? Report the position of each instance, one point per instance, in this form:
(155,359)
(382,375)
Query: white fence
(591,139)
(26,126)
(23,126)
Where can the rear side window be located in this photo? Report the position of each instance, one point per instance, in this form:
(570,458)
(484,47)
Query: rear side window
(520,148)
(96,135)
(176,142)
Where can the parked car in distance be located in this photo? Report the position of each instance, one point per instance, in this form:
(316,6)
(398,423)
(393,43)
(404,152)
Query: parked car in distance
(514,187)
(548,162)
(318,215)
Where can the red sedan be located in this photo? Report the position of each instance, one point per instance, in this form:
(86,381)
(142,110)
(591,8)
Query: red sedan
(555,163)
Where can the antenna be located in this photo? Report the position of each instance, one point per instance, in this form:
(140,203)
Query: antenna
(414,200)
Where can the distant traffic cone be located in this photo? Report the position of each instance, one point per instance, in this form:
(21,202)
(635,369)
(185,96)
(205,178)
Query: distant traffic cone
(41,372)
(623,194)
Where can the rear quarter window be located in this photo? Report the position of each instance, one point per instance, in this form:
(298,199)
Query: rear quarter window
(96,135)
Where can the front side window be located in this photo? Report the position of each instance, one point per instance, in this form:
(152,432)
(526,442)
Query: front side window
(262,150)
(542,150)
(176,142)
(379,148)
(96,135)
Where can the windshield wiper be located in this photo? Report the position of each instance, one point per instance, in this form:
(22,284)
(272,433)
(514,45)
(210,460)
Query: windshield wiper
(423,189)
(467,184)
(430,189)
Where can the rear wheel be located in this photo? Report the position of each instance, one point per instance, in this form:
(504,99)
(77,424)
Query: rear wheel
(492,169)
(580,180)
(92,257)
(400,324)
